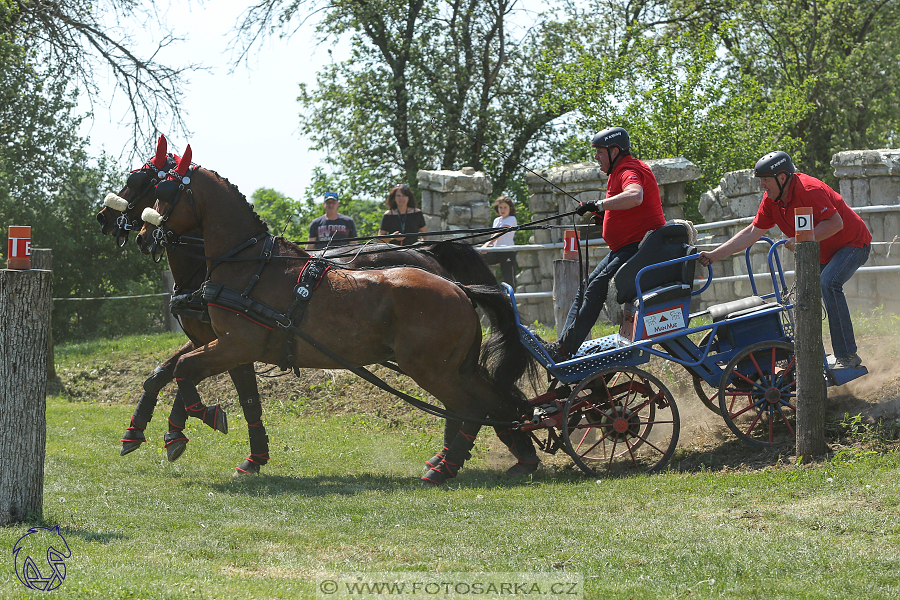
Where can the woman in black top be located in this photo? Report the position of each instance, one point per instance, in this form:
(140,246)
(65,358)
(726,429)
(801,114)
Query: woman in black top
(402,216)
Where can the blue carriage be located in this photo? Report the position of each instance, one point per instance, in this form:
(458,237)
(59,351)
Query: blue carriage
(610,415)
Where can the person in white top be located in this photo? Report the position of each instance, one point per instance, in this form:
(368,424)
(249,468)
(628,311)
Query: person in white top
(506,208)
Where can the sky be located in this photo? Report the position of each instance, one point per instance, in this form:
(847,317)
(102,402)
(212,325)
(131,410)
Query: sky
(251,113)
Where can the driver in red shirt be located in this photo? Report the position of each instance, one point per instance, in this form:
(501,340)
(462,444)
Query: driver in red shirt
(632,207)
(843,236)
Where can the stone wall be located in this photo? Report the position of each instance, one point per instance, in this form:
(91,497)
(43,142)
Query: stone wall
(867,178)
(454,200)
(872,178)
(557,190)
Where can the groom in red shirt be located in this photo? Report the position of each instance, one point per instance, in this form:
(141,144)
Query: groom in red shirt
(843,236)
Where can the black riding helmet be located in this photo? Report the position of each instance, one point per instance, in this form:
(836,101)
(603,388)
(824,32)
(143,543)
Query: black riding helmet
(771,165)
(613,136)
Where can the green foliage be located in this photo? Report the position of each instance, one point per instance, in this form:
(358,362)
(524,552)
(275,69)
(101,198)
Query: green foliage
(437,85)
(295,216)
(48,182)
(673,100)
(842,57)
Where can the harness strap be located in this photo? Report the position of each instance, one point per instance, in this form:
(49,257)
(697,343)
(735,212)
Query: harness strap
(311,275)
(263,261)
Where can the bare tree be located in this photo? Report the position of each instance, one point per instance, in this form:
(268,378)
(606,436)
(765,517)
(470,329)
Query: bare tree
(79,38)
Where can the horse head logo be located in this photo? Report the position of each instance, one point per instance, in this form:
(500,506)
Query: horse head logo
(46,543)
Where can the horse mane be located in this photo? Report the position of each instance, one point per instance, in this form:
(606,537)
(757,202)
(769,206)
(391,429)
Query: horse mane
(234,188)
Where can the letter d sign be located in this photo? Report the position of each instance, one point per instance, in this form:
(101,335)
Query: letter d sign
(803,224)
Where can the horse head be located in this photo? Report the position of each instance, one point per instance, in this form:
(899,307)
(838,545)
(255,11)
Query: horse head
(162,223)
(122,211)
(198,199)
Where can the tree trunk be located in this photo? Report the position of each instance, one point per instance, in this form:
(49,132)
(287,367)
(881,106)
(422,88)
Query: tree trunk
(808,352)
(25,299)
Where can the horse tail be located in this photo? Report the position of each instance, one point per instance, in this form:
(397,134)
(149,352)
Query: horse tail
(504,359)
(462,261)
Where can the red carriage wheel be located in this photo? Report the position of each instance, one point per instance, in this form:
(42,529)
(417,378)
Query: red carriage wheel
(757,394)
(620,420)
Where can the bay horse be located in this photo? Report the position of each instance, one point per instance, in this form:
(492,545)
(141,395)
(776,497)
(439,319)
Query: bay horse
(458,261)
(262,310)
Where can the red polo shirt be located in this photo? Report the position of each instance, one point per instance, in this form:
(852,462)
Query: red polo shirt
(825,202)
(623,227)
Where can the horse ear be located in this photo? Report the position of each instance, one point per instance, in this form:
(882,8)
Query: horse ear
(159,161)
(185,162)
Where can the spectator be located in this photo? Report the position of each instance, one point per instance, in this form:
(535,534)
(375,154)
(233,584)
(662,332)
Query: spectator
(845,239)
(331,229)
(506,209)
(402,217)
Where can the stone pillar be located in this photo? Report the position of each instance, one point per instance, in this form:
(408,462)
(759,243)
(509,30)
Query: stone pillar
(558,190)
(872,178)
(455,200)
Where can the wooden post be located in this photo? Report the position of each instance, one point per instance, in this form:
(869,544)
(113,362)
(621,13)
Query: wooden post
(42,259)
(808,352)
(25,299)
(565,286)
(169,320)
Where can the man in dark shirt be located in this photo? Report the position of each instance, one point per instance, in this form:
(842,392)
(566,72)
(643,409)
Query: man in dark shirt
(331,229)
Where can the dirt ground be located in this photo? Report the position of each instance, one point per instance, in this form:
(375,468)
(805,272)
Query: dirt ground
(705,441)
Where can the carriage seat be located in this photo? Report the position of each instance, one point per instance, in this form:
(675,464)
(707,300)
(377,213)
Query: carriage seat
(672,240)
(735,308)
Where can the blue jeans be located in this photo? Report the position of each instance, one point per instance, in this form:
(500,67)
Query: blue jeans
(835,273)
(579,322)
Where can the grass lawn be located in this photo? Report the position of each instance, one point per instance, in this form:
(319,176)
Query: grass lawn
(341,495)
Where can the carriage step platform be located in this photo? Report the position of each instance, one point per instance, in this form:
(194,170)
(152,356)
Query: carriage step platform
(838,375)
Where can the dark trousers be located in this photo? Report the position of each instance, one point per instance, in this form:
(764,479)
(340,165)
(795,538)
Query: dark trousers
(584,313)
(507,262)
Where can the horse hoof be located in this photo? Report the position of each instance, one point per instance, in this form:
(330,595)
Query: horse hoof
(176,449)
(247,467)
(129,446)
(434,477)
(522,468)
(176,444)
(132,440)
(216,418)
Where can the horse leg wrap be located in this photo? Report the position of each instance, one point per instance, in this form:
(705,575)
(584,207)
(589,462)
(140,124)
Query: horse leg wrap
(213,416)
(259,450)
(145,407)
(134,436)
(451,429)
(457,454)
(158,380)
(175,440)
(435,460)
(520,445)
